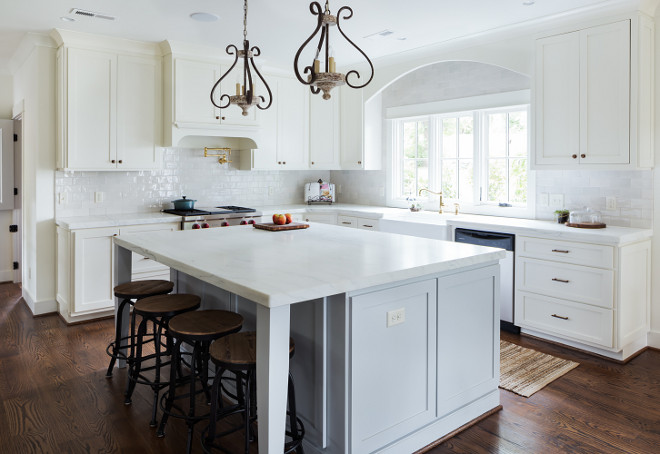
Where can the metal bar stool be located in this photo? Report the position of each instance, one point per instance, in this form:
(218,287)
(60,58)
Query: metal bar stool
(236,353)
(198,329)
(128,292)
(159,310)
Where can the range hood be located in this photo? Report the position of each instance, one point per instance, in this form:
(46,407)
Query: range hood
(199,138)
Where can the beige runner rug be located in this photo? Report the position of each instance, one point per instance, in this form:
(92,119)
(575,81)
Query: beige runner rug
(524,371)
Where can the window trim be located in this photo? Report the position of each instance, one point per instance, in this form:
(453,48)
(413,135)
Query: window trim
(521,100)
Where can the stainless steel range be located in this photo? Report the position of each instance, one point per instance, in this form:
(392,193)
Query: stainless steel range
(223,216)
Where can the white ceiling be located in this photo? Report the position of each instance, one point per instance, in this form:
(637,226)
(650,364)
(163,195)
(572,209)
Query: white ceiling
(277,27)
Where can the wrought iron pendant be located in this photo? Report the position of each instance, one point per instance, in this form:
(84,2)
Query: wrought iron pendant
(325,78)
(245,96)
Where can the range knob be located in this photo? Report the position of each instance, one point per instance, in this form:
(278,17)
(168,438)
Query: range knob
(205,225)
(243,222)
(196,226)
(224,224)
(251,221)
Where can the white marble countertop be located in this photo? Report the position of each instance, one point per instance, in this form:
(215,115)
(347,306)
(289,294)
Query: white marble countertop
(280,268)
(547,229)
(115,220)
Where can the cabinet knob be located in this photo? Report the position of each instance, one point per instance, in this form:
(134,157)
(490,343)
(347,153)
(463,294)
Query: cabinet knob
(360,162)
(112,161)
(279,162)
(284,162)
(312,162)
(574,156)
(120,161)
(583,155)
(217,117)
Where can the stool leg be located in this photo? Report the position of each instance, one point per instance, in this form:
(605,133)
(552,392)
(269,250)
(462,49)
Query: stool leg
(156,384)
(131,357)
(248,392)
(136,364)
(171,392)
(293,416)
(204,370)
(117,346)
(215,398)
(195,363)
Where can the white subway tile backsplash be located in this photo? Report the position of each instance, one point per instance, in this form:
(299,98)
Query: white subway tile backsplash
(185,172)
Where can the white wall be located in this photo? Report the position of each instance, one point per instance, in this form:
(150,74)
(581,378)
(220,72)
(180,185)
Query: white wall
(34,89)
(6,259)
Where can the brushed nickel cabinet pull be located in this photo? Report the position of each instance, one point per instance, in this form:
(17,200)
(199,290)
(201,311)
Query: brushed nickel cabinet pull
(559,316)
(562,251)
(346,222)
(564,281)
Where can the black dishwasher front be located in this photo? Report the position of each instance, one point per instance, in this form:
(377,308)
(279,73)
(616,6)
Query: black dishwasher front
(506,241)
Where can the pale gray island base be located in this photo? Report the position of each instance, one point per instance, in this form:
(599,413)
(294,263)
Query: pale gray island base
(361,386)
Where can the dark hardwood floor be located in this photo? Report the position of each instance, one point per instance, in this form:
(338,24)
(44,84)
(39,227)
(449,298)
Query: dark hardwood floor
(55,399)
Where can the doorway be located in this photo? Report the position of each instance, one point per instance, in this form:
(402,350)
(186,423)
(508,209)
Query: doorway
(17,218)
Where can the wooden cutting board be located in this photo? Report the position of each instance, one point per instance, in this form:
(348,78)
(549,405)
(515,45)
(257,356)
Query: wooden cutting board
(277,228)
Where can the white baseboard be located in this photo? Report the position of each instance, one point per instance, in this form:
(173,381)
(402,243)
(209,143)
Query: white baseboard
(39,307)
(6,275)
(653,339)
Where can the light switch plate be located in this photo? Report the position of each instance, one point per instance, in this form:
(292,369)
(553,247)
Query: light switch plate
(544,200)
(610,203)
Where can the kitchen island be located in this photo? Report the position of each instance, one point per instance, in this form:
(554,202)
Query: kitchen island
(397,336)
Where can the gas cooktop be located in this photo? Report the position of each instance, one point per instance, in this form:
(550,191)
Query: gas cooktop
(213,210)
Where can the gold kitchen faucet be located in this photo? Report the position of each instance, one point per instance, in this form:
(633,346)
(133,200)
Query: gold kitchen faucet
(436,193)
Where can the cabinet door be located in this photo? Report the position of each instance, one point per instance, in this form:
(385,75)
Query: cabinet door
(93,269)
(605,94)
(292,124)
(91,108)
(468,335)
(139,112)
(351,128)
(393,365)
(193,81)
(265,157)
(558,99)
(324,132)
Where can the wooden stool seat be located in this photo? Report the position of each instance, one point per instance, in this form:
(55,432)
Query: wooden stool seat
(142,289)
(127,292)
(205,325)
(167,305)
(198,329)
(237,354)
(239,350)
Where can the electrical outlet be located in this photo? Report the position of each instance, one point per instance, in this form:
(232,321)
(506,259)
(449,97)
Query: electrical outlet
(557,201)
(544,200)
(396,317)
(610,203)
(98,197)
(61,198)
(271,190)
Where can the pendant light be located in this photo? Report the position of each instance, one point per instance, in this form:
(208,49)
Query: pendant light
(323,77)
(245,96)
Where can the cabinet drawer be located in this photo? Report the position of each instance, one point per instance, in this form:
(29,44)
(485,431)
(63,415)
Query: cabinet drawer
(566,251)
(573,282)
(347,221)
(565,319)
(367,224)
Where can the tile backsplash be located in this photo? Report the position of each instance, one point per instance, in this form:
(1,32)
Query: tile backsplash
(632,190)
(186,172)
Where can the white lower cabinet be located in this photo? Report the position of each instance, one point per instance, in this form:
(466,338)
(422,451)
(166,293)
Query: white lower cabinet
(85,271)
(590,296)
(329,218)
(357,223)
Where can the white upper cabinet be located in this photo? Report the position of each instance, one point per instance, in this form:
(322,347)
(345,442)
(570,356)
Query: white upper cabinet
(591,97)
(351,124)
(193,81)
(292,124)
(324,132)
(109,114)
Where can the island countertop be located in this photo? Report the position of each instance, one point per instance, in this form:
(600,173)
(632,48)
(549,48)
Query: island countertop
(281,268)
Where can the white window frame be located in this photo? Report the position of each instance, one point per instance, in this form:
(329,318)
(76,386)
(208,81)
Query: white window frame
(503,102)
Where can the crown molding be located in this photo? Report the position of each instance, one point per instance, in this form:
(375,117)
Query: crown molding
(29,42)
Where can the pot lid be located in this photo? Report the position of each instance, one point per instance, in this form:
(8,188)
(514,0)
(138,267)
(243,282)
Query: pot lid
(184,200)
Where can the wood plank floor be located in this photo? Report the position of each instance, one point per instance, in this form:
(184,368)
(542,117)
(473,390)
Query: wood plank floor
(54,398)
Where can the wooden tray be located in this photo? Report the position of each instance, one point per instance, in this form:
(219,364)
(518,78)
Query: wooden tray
(587,225)
(276,227)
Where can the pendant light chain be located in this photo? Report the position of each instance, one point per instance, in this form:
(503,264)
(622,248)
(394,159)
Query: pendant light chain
(245,7)
(327,7)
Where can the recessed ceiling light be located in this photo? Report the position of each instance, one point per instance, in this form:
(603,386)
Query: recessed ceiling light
(204,17)
(528,2)
(67,19)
